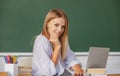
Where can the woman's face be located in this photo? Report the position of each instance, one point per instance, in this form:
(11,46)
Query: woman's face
(56,27)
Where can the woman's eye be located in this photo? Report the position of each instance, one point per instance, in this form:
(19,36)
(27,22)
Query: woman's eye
(63,26)
(56,25)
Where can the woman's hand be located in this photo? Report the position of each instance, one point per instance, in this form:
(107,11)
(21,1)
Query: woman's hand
(78,70)
(55,43)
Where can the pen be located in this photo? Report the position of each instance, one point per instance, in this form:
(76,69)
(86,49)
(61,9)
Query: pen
(14,59)
(5,59)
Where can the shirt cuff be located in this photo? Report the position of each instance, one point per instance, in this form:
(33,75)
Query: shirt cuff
(52,68)
(73,63)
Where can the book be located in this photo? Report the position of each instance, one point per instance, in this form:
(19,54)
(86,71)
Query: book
(96,71)
(24,69)
(28,74)
(113,75)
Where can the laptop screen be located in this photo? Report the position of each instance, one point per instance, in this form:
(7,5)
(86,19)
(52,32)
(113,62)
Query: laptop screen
(97,57)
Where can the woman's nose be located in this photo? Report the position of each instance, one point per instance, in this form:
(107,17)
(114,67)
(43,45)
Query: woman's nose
(59,29)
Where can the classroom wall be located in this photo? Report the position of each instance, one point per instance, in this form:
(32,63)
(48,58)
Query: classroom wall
(112,63)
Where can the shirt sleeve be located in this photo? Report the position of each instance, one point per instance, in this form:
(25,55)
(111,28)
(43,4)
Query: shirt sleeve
(70,59)
(42,63)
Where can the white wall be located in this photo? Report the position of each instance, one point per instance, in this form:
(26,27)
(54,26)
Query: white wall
(113,59)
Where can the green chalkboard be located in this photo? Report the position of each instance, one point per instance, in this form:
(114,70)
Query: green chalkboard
(91,23)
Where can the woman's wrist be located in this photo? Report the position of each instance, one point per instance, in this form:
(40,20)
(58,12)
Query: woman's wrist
(77,70)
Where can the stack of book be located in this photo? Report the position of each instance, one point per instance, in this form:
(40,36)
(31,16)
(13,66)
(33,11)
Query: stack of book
(25,70)
(96,71)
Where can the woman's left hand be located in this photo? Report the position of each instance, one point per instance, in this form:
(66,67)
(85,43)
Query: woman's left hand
(79,73)
(78,70)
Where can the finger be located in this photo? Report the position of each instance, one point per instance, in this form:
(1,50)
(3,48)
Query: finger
(80,74)
(74,74)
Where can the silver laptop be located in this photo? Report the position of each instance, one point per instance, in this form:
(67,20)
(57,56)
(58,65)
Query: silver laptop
(97,57)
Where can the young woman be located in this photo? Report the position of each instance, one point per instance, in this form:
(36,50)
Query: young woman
(52,55)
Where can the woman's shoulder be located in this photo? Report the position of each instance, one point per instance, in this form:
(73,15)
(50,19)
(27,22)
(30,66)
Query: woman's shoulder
(41,38)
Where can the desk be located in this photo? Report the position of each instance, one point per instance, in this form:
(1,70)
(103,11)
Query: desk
(3,73)
(113,75)
(102,75)
(22,71)
(6,74)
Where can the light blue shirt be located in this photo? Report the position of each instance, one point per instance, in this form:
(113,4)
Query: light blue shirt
(42,63)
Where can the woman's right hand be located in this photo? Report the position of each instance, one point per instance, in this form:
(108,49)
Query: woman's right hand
(56,44)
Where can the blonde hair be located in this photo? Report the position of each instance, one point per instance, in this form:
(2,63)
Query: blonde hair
(52,14)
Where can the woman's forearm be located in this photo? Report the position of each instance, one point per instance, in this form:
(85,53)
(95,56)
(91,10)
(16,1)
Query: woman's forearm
(55,55)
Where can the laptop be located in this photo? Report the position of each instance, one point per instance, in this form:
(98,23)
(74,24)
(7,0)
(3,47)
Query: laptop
(97,57)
